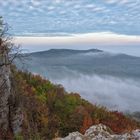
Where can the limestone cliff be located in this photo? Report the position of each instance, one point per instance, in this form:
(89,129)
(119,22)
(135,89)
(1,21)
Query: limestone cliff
(10,114)
(5,86)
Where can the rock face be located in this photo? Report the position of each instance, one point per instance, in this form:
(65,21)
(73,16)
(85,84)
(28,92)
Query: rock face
(5,87)
(10,114)
(16,116)
(101,132)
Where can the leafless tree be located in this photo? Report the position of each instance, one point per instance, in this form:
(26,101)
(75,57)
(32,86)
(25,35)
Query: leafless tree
(7,46)
(8,50)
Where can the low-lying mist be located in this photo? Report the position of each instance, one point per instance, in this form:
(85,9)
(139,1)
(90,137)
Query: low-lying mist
(121,94)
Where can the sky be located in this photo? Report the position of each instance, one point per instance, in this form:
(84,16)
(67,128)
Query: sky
(64,17)
(112,25)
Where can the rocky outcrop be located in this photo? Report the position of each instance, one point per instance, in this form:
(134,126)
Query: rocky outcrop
(101,132)
(5,87)
(10,113)
(16,116)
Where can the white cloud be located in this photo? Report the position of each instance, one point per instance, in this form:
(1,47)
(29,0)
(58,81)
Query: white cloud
(31,7)
(50,7)
(118,1)
(90,5)
(35,2)
(77,6)
(81,15)
(57,1)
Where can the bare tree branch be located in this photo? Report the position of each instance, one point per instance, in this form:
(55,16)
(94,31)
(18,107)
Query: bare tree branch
(8,50)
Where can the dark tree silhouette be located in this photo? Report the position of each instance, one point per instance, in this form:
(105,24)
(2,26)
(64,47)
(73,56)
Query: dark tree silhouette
(8,51)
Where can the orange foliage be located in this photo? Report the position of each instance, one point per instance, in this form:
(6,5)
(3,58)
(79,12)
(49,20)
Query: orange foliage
(120,123)
(87,122)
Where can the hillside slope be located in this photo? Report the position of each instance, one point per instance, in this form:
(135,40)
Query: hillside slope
(49,111)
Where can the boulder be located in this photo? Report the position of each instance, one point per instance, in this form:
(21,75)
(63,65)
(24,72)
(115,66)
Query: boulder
(101,132)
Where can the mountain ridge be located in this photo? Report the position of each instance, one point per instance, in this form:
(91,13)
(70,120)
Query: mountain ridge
(75,51)
(92,61)
(62,52)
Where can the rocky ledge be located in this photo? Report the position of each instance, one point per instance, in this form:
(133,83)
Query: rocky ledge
(101,132)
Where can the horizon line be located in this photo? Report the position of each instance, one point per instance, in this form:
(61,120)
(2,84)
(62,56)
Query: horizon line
(97,37)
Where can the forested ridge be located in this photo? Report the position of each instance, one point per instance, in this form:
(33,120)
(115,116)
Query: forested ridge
(49,111)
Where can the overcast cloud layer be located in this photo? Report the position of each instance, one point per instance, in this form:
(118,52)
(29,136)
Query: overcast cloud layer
(49,17)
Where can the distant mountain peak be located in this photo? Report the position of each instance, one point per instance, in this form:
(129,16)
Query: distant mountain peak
(65,52)
(73,50)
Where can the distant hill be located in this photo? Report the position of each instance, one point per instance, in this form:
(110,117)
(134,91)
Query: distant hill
(61,62)
(62,52)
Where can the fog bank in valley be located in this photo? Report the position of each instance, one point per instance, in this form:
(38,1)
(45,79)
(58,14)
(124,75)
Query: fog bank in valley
(112,92)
